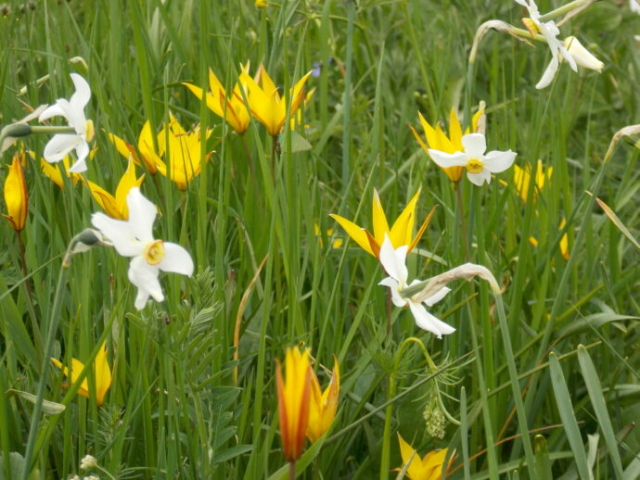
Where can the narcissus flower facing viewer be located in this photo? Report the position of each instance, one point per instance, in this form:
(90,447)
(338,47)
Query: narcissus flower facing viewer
(231,108)
(435,138)
(427,468)
(116,206)
(134,238)
(294,393)
(479,166)
(323,405)
(15,193)
(101,374)
(267,106)
(394,262)
(73,111)
(399,234)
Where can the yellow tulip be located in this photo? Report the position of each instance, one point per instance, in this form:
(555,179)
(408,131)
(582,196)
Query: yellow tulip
(183,151)
(267,106)
(427,468)
(323,405)
(116,206)
(522,180)
(232,108)
(436,139)
(293,401)
(399,234)
(150,157)
(101,374)
(53,171)
(260,4)
(15,193)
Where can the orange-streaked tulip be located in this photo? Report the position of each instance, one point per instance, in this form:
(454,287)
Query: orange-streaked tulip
(436,139)
(399,234)
(323,405)
(231,108)
(53,171)
(15,193)
(293,401)
(267,106)
(116,206)
(101,374)
(427,468)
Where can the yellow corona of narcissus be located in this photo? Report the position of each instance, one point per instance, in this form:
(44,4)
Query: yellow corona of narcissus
(323,405)
(427,468)
(101,374)
(267,106)
(116,205)
(399,234)
(436,139)
(294,392)
(15,194)
(229,107)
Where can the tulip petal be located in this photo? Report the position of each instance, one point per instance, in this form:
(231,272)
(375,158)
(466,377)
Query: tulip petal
(356,232)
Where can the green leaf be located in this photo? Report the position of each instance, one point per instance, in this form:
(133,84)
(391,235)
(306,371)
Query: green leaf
(565,408)
(50,408)
(542,457)
(600,407)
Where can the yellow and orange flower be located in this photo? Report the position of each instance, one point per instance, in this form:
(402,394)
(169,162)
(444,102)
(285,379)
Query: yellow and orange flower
(116,206)
(267,106)
(323,405)
(294,393)
(15,193)
(427,468)
(231,108)
(101,374)
(436,139)
(150,157)
(399,234)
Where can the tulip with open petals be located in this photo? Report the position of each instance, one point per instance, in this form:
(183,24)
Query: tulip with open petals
(399,234)
(427,468)
(101,374)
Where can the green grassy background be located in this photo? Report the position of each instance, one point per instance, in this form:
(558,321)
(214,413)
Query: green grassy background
(175,409)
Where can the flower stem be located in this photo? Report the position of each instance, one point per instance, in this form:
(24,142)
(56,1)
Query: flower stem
(48,349)
(292,470)
(463,223)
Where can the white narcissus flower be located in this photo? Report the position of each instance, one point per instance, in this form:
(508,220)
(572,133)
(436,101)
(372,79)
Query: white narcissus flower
(479,166)
(73,111)
(550,31)
(581,55)
(634,5)
(394,262)
(134,238)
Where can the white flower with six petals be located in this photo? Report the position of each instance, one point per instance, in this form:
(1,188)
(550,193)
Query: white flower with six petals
(73,111)
(134,238)
(394,262)
(550,32)
(479,166)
